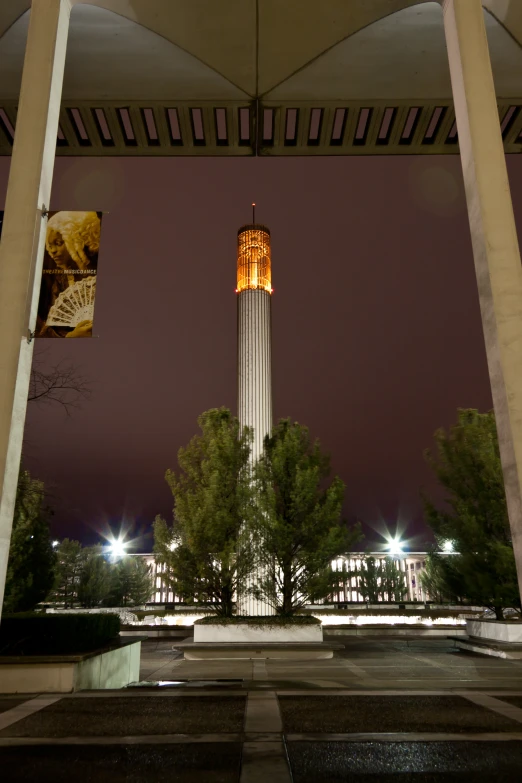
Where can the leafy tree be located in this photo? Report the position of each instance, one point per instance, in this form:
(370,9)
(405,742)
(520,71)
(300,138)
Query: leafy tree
(131,582)
(393,581)
(30,568)
(380,580)
(207,551)
(95,578)
(467,464)
(368,575)
(298,520)
(69,566)
(433,580)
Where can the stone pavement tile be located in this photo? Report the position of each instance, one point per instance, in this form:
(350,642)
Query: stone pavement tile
(262,713)
(132,716)
(191,763)
(264,762)
(413,673)
(7,703)
(403,762)
(165,672)
(368,713)
(214,670)
(516,701)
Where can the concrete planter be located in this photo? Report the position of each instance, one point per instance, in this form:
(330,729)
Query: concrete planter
(113,667)
(495,631)
(411,631)
(245,633)
(173,632)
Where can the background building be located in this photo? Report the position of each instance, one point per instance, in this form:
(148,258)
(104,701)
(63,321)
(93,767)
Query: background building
(410,565)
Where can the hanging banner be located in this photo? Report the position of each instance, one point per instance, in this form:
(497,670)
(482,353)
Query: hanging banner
(68,287)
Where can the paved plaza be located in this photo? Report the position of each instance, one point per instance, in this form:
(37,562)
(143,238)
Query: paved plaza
(380,710)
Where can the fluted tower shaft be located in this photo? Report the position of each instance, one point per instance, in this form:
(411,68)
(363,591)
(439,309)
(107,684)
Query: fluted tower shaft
(255,365)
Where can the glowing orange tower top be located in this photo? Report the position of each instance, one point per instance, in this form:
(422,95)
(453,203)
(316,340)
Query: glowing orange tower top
(254,267)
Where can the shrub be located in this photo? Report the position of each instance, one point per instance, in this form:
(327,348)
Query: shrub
(55,634)
(269,620)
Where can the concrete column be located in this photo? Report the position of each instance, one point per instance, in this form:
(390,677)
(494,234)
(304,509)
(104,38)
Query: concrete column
(23,237)
(255,365)
(493,235)
(402,570)
(254,396)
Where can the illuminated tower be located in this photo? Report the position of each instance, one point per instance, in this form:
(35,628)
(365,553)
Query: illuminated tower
(254,354)
(254,332)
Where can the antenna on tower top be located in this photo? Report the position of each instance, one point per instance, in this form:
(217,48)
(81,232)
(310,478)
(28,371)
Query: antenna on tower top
(253,213)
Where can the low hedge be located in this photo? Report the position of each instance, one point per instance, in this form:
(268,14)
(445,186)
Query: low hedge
(269,620)
(55,634)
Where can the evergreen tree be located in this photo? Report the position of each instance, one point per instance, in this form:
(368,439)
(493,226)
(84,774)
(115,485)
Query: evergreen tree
(70,563)
(30,568)
(95,578)
(467,464)
(393,581)
(131,582)
(298,520)
(433,580)
(368,579)
(206,550)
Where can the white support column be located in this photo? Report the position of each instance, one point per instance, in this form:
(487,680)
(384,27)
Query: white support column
(255,397)
(493,235)
(23,237)
(402,571)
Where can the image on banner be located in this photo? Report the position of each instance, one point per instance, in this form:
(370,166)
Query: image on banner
(70,265)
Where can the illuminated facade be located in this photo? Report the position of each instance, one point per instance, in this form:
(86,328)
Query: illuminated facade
(254,263)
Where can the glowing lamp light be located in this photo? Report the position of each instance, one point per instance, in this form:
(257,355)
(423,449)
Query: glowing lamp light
(448,546)
(395,547)
(117,548)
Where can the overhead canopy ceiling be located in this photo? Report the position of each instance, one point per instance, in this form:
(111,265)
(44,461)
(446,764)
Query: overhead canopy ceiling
(245,77)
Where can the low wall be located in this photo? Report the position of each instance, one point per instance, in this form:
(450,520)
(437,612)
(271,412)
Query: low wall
(245,633)
(394,630)
(153,632)
(495,630)
(113,667)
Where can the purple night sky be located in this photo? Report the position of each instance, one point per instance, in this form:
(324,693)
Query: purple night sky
(376,327)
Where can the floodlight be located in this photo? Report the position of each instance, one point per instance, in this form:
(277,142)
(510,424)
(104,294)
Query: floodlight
(395,547)
(117,548)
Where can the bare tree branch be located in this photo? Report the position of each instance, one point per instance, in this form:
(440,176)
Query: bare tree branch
(62,384)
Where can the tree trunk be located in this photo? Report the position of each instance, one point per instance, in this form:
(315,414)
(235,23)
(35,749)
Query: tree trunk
(499,612)
(287,592)
(226,601)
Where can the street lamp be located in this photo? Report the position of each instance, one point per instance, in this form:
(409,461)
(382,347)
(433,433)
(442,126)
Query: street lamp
(55,544)
(117,548)
(448,546)
(395,547)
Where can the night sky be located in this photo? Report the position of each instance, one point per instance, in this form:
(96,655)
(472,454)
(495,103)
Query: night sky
(376,327)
